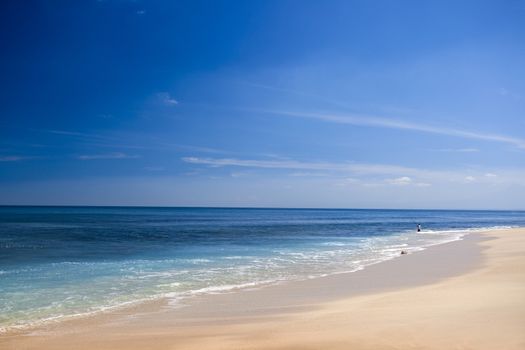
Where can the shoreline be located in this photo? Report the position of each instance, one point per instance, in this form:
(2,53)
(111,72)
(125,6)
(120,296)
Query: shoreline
(204,302)
(291,296)
(233,312)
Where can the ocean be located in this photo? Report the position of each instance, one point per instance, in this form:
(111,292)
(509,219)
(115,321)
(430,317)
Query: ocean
(62,262)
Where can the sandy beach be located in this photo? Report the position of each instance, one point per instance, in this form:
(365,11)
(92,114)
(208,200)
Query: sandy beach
(262,175)
(467,294)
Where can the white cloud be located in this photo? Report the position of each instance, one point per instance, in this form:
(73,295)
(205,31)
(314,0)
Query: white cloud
(400,181)
(115,155)
(490,175)
(470,178)
(373,121)
(165,98)
(406,181)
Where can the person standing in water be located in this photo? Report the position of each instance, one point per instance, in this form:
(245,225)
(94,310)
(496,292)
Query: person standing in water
(418,227)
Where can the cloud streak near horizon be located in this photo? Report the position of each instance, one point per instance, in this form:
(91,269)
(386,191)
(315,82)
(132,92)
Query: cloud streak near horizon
(298,165)
(390,174)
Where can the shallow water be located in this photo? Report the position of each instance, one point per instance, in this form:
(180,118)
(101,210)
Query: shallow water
(61,262)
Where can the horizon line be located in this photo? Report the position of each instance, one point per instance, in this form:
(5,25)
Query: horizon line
(243,207)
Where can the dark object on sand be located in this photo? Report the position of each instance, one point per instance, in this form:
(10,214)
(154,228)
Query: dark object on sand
(403,252)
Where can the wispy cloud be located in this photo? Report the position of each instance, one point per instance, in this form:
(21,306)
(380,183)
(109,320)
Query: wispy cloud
(369,174)
(470,178)
(193,148)
(459,150)
(165,99)
(400,181)
(406,181)
(268,164)
(76,134)
(373,121)
(236,174)
(357,168)
(145,142)
(12,158)
(68,133)
(506,92)
(308,174)
(115,155)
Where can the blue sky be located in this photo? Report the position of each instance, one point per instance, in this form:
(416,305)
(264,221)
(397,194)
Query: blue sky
(352,104)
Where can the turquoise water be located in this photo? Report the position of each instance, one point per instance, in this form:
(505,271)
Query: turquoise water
(62,262)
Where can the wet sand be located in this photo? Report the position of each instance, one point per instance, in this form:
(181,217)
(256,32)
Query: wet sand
(460,295)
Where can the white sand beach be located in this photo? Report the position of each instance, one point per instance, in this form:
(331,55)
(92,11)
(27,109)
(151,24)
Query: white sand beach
(460,295)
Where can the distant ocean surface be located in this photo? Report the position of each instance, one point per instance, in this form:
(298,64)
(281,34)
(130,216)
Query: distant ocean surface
(63,262)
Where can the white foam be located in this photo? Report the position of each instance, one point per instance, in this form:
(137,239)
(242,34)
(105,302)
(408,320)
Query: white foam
(285,265)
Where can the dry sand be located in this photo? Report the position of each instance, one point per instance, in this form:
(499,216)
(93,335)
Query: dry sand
(462,295)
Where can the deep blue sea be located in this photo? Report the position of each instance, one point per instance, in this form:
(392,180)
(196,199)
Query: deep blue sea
(63,262)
